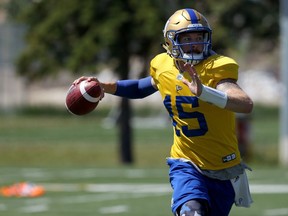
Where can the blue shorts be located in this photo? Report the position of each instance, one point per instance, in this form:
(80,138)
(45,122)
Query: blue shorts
(188,183)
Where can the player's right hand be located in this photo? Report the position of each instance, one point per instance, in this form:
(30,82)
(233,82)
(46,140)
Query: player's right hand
(195,85)
(80,79)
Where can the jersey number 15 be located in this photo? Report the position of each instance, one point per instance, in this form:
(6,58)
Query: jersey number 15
(182,115)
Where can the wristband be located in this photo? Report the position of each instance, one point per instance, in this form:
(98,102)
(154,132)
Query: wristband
(213,96)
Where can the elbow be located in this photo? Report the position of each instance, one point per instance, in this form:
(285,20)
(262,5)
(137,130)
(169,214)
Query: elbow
(248,108)
(244,107)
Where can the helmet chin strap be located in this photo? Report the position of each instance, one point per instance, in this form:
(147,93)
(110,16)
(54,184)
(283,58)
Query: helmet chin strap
(166,47)
(180,67)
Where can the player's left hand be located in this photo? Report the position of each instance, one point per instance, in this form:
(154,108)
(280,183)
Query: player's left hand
(195,85)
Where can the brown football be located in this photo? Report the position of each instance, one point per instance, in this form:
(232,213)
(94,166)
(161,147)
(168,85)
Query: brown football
(83,98)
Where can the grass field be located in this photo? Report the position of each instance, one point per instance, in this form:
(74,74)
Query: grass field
(77,162)
(126,192)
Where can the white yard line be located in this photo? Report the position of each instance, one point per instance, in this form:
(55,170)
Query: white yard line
(269,188)
(34,208)
(3,207)
(114,209)
(276,212)
(42,205)
(149,188)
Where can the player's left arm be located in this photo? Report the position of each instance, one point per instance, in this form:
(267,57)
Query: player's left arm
(237,99)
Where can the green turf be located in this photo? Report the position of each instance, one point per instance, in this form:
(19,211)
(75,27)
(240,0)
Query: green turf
(74,198)
(65,140)
(60,139)
(47,147)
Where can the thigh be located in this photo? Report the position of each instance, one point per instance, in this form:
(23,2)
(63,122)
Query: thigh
(187,183)
(221,195)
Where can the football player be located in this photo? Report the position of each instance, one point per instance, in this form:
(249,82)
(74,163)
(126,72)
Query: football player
(200,92)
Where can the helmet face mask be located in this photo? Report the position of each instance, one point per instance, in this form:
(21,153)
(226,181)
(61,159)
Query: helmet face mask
(196,45)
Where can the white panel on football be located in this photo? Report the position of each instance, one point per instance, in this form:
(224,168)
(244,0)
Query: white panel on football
(86,95)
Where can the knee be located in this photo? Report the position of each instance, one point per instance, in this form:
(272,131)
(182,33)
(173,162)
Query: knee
(194,208)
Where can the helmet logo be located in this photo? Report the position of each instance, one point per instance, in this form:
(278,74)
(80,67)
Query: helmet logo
(195,25)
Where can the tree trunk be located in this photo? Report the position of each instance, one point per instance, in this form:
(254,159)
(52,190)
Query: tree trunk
(126,155)
(124,123)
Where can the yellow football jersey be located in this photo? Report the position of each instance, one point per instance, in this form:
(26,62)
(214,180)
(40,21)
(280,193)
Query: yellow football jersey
(203,133)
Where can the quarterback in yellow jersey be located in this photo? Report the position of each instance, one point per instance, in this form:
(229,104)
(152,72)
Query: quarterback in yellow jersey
(200,92)
(198,136)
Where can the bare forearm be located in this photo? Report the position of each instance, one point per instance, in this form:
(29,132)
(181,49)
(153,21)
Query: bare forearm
(238,100)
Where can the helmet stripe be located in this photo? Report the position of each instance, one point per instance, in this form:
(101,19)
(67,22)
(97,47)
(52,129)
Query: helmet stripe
(192,15)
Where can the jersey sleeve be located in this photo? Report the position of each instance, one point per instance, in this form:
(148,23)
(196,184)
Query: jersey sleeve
(221,68)
(160,64)
(227,68)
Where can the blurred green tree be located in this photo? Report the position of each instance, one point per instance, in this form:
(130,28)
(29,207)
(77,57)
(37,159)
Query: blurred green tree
(234,21)
(77,35)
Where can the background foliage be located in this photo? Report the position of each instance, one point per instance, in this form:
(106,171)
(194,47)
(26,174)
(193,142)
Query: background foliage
(78,35)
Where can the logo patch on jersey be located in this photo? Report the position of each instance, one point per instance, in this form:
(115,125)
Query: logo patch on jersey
(228,158)
(179,77)
(178,88)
